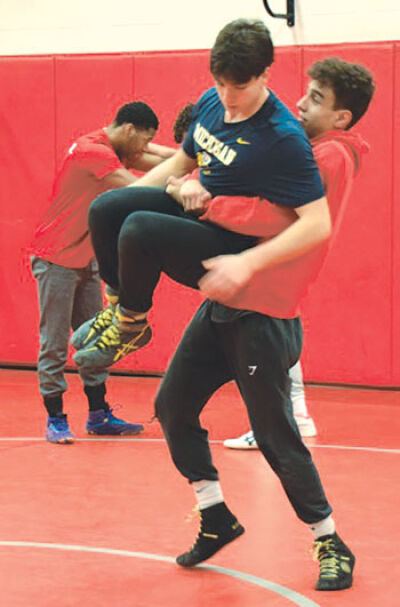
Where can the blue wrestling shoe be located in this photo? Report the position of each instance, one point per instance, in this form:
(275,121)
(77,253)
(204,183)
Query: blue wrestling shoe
(103,422)
(58,430)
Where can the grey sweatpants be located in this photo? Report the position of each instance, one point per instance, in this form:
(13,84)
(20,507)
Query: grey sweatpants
(67,298)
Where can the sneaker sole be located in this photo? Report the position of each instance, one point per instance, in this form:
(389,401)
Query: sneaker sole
(343,586)
(241,446)
(61,441)
(123,433)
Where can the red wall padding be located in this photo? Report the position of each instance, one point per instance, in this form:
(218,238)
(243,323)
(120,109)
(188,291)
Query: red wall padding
(286,75)
(348,313)
(351,316)
(27,164)
(168,81)
(88,92)
(396,222)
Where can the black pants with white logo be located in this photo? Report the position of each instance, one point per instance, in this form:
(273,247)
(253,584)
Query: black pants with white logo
(256,351)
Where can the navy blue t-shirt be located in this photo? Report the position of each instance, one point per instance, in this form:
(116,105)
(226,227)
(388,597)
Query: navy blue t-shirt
(266,155)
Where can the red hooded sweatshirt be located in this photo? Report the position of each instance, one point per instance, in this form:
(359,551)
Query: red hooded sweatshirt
(279,290)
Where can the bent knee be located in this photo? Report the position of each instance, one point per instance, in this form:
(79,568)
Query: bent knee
(99,208)
(161,410)
(138,227)
(170,415)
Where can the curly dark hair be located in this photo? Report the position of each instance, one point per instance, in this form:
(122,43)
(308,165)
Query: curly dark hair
(242,50)
(137,113)
(182,122)
(352,84)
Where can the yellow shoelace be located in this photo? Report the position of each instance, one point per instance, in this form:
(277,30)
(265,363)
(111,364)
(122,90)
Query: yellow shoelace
(328,558)
(195,513)
(109,337)
(104,318)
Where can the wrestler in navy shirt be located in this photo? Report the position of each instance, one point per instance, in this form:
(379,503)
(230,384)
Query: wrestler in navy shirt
(266,155)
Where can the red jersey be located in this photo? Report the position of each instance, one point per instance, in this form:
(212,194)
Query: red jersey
(279,290)
(62,235)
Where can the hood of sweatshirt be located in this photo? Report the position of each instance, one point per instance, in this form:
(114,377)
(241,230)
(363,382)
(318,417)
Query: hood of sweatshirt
(353,142)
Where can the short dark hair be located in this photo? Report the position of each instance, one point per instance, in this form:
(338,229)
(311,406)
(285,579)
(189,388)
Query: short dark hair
(352,84)
(137,113)
(242,50)
(182,122)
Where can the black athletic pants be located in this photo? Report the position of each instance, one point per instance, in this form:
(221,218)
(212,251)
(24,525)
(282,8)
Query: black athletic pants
(137,233)
(256,351)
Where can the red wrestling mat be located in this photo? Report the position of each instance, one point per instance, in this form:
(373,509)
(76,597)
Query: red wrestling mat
(100,522)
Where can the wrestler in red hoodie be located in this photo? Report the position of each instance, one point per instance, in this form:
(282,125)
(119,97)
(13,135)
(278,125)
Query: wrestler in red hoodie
(338,154)
(326,111)
(336,98)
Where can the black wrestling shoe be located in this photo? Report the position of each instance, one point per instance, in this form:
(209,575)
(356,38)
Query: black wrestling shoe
(218,527)
(336,563)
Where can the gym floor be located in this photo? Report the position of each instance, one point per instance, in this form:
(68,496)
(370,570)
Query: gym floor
(99,523)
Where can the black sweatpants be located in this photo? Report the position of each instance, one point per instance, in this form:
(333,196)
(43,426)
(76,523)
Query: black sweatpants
(137,233)
(108,212)
(256,351)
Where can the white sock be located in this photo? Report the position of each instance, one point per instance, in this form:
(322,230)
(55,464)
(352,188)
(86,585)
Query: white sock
(324,527)
(208,493)
(297,394)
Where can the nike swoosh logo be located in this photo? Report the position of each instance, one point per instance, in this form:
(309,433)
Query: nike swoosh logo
(242,141)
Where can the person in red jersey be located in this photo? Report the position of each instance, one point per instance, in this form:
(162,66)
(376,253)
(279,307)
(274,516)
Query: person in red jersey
(63,262)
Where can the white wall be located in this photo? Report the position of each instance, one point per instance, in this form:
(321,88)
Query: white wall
(95,26)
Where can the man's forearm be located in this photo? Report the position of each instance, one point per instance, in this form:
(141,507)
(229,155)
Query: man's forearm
(305,233)
(177,166)
(162,151)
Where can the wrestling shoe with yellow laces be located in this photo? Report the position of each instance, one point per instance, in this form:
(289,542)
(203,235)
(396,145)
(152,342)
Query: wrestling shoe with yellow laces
(124,336)
(93,327)
(218,528)
(336,563)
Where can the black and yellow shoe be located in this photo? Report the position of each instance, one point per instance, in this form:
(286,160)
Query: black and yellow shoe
(118,340)
(92,328)
(336,563)
(218,528)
